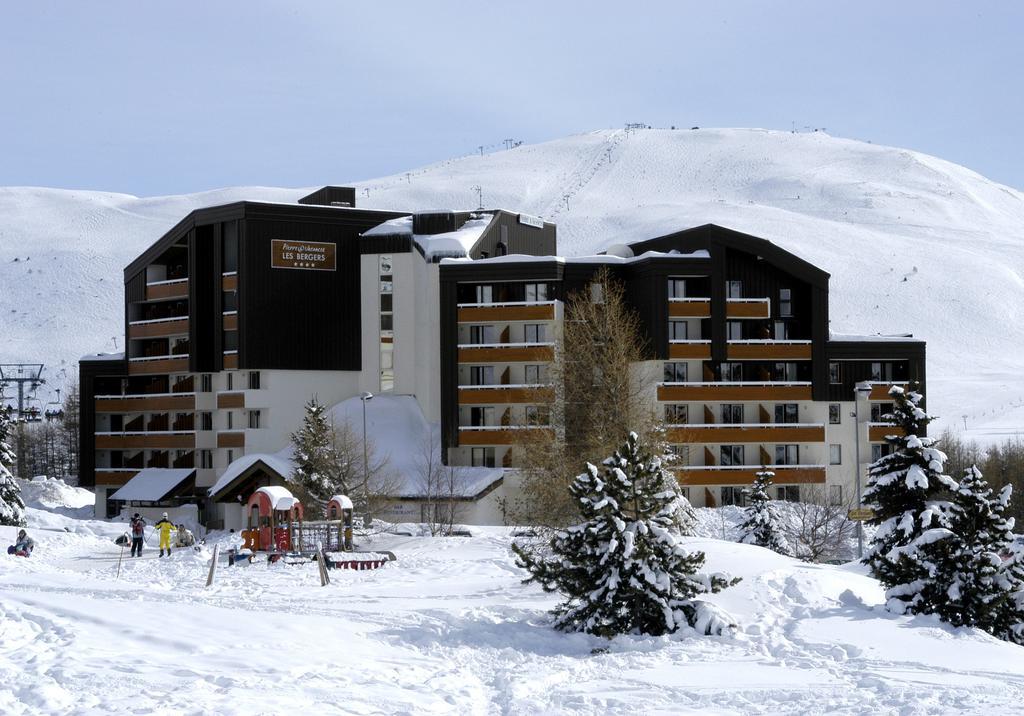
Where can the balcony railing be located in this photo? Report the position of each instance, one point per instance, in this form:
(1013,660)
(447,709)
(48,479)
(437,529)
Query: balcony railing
(877,432)
(158,327)
(689,350)
(159,290)
(148,365)
(145,403)
(230,360)
(506,352)
(143,440)
(745,474)
(880,389)
(746,433)
(769,350)
(497,434)
(504,394)
(736,391)
(748,308)
(689,307)
(512,311)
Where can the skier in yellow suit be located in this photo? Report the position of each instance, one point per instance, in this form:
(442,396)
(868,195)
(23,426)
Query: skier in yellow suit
(165,527)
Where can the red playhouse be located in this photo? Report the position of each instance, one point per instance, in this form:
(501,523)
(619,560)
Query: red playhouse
(275,521)
(339,508)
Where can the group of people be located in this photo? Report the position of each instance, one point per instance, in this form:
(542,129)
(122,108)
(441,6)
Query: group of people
(164,528)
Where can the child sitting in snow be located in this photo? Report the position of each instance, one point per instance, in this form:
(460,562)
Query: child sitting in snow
(23,547)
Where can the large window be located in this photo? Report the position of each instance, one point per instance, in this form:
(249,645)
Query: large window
(676,414)
(734,289)
(787,454)
(835,375)
(835,415)
(787,413)
(254,380)
(732,372)
(835,454)
(485,294)
(481,375)
(677,330)
(533,374)
(482,335)
(731,455)
(677,288)
(206,383)
(536,292)
(482,457)
(785,302)
(880,451)
(675,372)
(880,410)
(254,420)
(538,415)
(732,496)
(481,416)
(781,332)
(206,421)
(784,371)
(732,413)
(734,330)
(881,372)
(206,459)
(788,493)
(535,332)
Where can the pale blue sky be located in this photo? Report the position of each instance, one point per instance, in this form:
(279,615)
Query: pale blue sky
(156,98)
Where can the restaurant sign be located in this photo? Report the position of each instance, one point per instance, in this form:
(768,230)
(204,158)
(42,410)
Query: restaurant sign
(308,255)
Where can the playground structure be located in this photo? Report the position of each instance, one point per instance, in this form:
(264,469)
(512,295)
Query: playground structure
(276,524)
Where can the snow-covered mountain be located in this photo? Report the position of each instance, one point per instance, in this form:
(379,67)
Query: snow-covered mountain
(914,243)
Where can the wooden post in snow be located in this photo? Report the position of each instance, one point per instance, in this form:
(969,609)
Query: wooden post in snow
(213,566)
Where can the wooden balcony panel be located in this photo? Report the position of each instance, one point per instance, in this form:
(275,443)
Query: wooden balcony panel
(506,354)
(690,351)
(784,475)
(159,329)
(880,391)
(510,436)
(146,404)
(114,477)
(877,433)
(498,313)
(702,391)
(174,289)
(229,283)
(769,351)
(231,439)
(690,309)
(487,395)
(143,441)
(754,308)
(166,365)
(230,322)
(230,361)
(231,400)
(770,433)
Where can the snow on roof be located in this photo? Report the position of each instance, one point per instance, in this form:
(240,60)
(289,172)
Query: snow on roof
(343,502)
(400,434)
(596,259)
(279,462)
(152,484)
(103,356)
(280,497)
(451,244)
(892,337)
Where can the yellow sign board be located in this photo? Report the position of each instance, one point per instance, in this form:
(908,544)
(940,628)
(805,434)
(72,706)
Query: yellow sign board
(309,255)
(861,514)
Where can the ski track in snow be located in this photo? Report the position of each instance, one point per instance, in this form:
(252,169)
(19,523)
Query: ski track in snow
(449,628)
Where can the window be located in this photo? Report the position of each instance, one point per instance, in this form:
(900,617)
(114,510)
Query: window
(732,372)
(536,292)
(734,289)
(787,413)
(230,457)
(231,381)
(206,383)
(229,301)
(387,322)
(254,380)
(206,459)
(781,332)
(880,451)
(676,414)
(482,335)
(835,376)
(879,411)
(787,454)
(785,302)
(482,457)
(732,413)
(675,372)
(538,415)
(254,420)
(231,420)
(881,372)
(732,496)
(731,455)
(533,374)
(387,302)
(230,340)
(206,421)
(597,293)
(835,494)
(788,493)
(835,417)
(481,375)
(734,330)
(481,416)
(784,371)
(485,294)
(677,288)
(677,330)
(835,454)
(534,332)
(387,367)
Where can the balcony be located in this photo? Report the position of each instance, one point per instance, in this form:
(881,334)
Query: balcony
(499,434)
(230,360)
(878,431)
(880,389)
(736,392)
(162,290)
(503,394)
(235,399)
(142,440)
(114,475)
(769,350)
(230,321)
(745,474)
(728,433)
(689,307)
(506,353)
(231,439)
(158,364)
(145,403)
(229,281)
(689,350)
(748,308)
(504,312)
(159,328)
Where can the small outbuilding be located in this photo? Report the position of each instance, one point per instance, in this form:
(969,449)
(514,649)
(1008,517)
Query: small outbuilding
(275,520)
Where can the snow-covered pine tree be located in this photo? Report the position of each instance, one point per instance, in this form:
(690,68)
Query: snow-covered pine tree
(313,453)
(762,524)
(623,569)
(12,508)
(967,567)
(905,490)
(1011,617)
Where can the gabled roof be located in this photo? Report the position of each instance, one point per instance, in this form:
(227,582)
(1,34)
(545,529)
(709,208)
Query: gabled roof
(154,484)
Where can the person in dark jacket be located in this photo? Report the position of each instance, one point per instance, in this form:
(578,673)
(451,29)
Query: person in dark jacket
(24,546)
(138,530)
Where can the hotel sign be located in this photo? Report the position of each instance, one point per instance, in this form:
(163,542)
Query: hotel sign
(307,255)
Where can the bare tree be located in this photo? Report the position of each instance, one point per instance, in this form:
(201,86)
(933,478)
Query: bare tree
(817,528)
(441,487)
(600,392)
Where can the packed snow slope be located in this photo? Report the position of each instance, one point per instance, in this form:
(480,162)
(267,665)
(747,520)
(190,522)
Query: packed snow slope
(914,243)
(449,628)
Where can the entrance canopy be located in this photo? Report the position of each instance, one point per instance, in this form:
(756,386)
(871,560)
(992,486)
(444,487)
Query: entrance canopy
(156,484)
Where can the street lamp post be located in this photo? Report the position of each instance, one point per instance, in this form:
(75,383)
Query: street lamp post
(860,391)
(366,462)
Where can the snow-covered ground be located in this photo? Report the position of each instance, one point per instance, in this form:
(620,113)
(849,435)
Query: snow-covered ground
(449,628)
(913,243)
